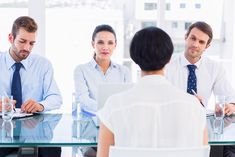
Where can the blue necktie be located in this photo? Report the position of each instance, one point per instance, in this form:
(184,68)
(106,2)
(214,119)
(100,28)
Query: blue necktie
(192,79)
(16,90)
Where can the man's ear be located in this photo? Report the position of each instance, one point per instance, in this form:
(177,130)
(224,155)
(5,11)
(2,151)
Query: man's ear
(10,38)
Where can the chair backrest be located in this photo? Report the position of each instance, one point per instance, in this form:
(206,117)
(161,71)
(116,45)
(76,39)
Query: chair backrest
(202,151)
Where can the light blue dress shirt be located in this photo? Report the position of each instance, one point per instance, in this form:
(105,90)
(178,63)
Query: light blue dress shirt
(36,79)
(88,76)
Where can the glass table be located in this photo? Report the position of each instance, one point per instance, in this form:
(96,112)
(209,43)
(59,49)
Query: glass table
(58,130)
(48,130)
(227,131)
(61,130)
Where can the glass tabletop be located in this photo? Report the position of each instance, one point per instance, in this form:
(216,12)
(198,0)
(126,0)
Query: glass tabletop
(65,130)
(49,130)
(221,132)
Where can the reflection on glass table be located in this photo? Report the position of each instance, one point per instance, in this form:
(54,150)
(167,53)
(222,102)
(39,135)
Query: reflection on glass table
(84,129)
(221,132)
(49,130)
(32,129)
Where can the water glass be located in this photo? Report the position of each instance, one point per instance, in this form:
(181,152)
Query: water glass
(219,106)
(7,108)
(218,126)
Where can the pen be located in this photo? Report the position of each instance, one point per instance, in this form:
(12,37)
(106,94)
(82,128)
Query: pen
(194,93)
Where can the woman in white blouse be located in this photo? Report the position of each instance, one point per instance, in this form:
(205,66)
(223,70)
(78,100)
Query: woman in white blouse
(153,113)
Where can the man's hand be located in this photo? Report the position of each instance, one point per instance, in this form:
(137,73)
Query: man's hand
(229,109)
(31,106)
(198,97)
(228,120)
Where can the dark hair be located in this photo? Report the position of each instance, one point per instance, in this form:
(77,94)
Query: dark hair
(101,28)
(151,48)
(25,22)
(202,26)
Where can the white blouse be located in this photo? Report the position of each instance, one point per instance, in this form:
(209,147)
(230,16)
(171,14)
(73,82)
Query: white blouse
(154,114)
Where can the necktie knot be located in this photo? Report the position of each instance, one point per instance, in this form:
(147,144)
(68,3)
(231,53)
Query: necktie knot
(18,66)
(191,67)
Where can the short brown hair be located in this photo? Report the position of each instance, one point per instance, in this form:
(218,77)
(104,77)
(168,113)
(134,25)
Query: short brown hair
(202,26)
(25,22)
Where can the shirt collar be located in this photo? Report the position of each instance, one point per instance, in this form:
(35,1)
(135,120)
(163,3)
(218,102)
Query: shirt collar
(156,79)
(95,65)
(10,61)
(184,62)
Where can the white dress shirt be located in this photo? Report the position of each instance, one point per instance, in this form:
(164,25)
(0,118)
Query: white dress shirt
(211,77)
(154,113)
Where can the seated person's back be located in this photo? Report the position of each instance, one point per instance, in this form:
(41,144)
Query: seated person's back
(153,113)
(163,117)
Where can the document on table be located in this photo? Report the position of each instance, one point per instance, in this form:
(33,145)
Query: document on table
(19,114)
(209,112)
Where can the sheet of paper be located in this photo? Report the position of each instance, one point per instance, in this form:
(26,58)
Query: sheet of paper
(209,112)
(19,114)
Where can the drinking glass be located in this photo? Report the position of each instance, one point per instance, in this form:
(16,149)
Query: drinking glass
(219,107)
(218,126)
(7,107)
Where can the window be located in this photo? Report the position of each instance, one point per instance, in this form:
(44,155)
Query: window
(168,6)
(182,5)
(174,25)
(179,47)
(186,25)
(197,5)
(150,6)
(148,24)
(14,4)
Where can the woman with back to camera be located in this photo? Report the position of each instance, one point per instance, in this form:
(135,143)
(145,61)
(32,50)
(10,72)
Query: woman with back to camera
(153,113)
(100,69)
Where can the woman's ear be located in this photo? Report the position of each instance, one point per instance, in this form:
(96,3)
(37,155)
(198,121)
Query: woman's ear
(93,44)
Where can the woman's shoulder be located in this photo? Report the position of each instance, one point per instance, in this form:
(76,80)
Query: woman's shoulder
(81,69)
(82,66)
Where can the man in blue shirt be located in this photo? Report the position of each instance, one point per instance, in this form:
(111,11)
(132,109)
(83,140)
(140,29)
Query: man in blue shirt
(36,89)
